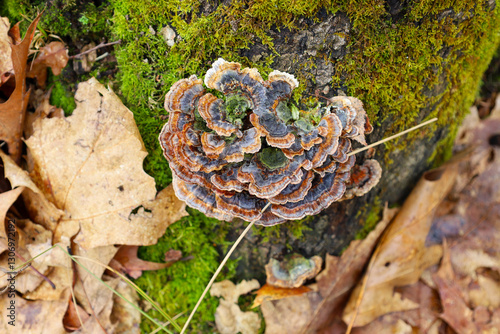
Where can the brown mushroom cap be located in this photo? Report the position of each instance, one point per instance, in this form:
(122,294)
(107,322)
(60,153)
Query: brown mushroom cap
(223,167)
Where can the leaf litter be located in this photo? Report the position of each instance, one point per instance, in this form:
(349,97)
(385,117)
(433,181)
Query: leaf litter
(435,269)
(83,188)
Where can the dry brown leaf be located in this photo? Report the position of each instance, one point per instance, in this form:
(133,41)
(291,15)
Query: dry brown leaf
(289,315)
(6,200)
(456,312)
(387,324)
(401,256)
(269,292)
(88,290)
(127,262)
(41,210)
(317,310)
(43,109)
(74,317)
(5,51)
(100,322)
(12,112)
(126,317)
(34,316)
(61,277)
(90,165)
(228,317)
(53,55)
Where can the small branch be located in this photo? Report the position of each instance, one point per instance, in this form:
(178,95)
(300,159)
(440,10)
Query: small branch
(102,45)
(219,270)
(392,137)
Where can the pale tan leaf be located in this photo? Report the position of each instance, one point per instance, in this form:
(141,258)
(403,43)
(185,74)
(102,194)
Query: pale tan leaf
(38,316)
(91,163)
(5,51)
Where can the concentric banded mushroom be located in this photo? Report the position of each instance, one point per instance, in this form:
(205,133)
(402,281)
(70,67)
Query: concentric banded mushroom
(232,156)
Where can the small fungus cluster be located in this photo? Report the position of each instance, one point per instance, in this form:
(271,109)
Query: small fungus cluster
(248,145)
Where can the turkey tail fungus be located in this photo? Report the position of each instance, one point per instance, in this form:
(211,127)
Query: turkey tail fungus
(254,154)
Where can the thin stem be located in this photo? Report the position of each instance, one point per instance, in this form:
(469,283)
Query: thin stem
(392,137)
(102,45)
(219,270)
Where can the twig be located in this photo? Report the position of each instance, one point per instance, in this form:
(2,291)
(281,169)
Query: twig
(102,45)
(392,137)
(219,270)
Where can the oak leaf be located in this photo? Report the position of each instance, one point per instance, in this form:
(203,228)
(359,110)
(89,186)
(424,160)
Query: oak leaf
(12,112)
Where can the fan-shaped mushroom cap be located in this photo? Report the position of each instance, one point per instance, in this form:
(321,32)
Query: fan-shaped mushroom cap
(223,167)
(293,271)
(363,178)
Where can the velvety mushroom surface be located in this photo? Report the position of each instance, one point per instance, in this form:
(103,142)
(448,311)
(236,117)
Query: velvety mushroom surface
(250,145)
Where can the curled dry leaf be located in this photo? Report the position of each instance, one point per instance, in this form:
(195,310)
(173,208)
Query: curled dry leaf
(53,55)
(127,262)
(269,292)
(12,112)
(5,51)
(401,256)
(228,317)
(71,320)
(6,200)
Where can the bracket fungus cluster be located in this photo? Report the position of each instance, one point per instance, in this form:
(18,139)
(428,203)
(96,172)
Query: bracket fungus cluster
(248,145)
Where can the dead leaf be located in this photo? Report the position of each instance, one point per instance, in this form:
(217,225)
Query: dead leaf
(401,256)
(43,109)
(290,315)
(126,317)
(316,310)
(387,324)
(90,165)
(12,112)
(5,51)
(228,317)
(90,293)
(456,312)
(6,200)
(41,210)
(34,316)
(269,292)
(53,55)
(127,262)
(73,321)
(100,321)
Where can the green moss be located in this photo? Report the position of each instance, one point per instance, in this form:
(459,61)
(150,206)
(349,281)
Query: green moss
(371,216)
(388,61)
(177,288)
(296,228)
(61,97)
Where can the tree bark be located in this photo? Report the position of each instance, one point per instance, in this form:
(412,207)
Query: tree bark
(407,61)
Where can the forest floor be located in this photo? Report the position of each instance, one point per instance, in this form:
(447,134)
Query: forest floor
(430,266)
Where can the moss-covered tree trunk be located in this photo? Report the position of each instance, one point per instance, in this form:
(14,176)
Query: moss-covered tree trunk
(407,61)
